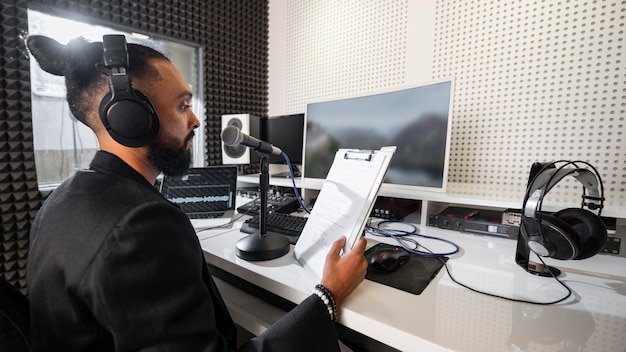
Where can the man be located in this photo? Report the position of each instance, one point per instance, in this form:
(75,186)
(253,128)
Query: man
(113,266)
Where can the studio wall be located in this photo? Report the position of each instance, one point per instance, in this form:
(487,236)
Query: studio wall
(533,80)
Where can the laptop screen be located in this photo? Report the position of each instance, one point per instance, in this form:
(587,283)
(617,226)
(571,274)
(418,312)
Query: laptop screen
(203,190)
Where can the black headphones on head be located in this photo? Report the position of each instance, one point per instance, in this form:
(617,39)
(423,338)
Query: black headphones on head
(126,113)
(572,233)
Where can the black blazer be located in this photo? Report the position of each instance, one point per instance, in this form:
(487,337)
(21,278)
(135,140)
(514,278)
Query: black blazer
(113,266)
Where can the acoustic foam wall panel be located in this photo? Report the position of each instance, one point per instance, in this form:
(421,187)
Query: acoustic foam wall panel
(233,36)
(19,197)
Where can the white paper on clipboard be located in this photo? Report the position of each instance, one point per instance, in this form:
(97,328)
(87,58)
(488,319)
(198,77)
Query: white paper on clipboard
(343,204)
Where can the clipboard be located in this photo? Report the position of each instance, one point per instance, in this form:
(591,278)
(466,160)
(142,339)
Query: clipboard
(343,204)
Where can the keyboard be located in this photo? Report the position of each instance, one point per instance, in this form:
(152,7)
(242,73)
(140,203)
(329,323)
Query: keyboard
(274,204)
(278,223)
(205,215)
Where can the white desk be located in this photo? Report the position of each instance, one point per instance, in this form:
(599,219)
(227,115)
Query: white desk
(447,316)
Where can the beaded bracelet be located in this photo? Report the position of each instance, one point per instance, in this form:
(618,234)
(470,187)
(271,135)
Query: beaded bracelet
(324,294)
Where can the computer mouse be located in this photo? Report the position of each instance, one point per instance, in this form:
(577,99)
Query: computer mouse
(389,260)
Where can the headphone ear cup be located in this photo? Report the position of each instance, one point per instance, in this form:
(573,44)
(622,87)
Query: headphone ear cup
(560,236)
(130,118)
(588,227)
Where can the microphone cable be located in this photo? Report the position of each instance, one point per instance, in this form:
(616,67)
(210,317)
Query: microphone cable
(293,182)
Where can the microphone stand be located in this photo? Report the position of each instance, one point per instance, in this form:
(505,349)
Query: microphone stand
(263,246)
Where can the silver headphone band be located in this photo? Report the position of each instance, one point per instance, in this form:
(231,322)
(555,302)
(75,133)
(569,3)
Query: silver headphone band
(550,177)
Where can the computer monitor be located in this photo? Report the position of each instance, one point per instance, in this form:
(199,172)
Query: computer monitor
(287,133)
(415,119)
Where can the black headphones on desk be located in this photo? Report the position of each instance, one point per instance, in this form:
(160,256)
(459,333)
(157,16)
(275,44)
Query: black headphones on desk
(127,114)
(572,233)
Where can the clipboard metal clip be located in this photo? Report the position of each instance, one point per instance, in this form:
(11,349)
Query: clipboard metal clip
(359,155)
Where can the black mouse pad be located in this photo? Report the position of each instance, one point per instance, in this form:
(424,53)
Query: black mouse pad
(413,276)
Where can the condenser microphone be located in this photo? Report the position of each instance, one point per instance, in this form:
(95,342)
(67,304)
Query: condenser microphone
(232,136)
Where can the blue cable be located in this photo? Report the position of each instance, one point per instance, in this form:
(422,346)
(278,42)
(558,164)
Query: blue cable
(293,182)
(397,235)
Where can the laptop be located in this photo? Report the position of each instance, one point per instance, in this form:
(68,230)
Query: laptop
(206,194)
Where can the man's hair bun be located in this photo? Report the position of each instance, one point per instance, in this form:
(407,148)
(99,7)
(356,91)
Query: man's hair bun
(76,60)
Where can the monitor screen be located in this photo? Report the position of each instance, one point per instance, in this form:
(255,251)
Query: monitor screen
(287,133)
(416,120)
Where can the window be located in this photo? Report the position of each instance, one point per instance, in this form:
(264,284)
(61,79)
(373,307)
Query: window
(62,144)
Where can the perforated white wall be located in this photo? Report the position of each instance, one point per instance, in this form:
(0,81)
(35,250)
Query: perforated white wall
(343,47)
(534,79)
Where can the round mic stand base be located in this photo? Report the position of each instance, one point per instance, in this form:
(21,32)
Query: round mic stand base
(263,246)
(257,247)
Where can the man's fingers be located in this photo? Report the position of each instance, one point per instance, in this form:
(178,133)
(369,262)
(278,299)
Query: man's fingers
(360,245)
(337,246)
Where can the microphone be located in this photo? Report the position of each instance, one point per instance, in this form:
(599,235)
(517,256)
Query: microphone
(232,136)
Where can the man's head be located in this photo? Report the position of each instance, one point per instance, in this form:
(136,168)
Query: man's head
(151,73)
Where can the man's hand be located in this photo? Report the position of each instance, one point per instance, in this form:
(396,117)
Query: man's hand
(342,274)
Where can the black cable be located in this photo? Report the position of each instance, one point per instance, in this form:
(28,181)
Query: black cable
(401,234)
(569,290)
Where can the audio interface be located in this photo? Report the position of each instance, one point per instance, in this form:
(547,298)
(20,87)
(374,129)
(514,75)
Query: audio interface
(394,208)
(487,222)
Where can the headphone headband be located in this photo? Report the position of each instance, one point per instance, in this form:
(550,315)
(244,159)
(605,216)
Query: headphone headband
(115,59)
(114,51)
(126,113)
(548,177)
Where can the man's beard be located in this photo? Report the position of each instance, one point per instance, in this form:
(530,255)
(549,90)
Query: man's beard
(169,159)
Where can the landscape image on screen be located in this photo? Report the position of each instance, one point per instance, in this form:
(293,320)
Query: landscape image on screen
(416,120)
